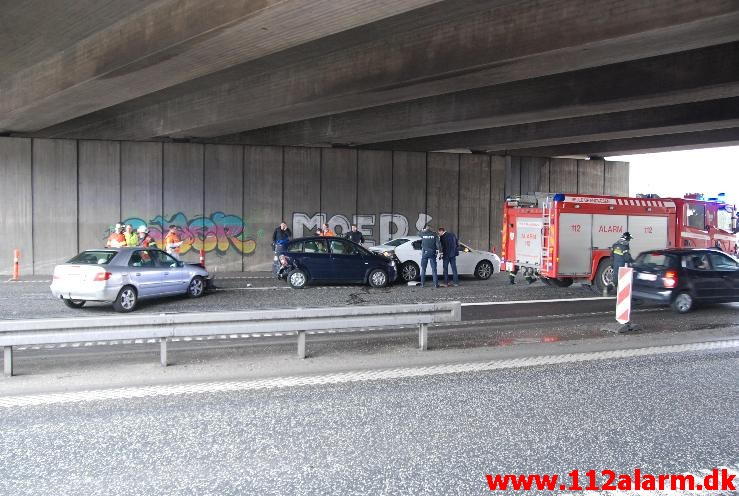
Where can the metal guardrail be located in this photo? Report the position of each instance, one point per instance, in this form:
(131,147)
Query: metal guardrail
(166,326)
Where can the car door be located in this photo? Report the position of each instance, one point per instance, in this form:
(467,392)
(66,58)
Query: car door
(466,260)
(172,280)
(728,270)
(346,261)
(707,283)
(144,273)
(316,259)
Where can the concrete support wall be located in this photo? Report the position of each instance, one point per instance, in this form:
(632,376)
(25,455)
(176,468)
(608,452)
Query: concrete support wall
(55,210)
(61,196)
(16,206)
(590,176)
(263,202)
(474,201)
(443,176)
(98,190)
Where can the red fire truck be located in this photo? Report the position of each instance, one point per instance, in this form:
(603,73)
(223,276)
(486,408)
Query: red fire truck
(563,238)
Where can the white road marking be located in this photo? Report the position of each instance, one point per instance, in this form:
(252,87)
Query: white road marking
(484,303)
(350,377)
(256,289)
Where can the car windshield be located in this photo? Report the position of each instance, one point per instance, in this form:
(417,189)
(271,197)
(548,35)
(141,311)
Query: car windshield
(396,242)
(657,260)
(93,257)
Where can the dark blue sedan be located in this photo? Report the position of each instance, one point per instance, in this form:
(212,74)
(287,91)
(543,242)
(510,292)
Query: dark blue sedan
(328,259)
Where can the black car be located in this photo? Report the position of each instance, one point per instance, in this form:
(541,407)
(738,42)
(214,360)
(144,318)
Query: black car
(684,277)
(329,259)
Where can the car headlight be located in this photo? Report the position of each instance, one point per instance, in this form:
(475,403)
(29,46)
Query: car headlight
(388,253)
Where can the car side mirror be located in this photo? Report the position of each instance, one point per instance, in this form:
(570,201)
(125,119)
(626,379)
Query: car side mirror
(180,264)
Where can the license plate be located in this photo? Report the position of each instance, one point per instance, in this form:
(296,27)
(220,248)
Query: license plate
(646,277)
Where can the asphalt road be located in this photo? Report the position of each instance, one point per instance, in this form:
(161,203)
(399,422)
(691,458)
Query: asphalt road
(495,314)
(32,298)
(432,435)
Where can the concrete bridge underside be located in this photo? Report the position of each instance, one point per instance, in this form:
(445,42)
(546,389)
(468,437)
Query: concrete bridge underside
(255,110)
(573,77)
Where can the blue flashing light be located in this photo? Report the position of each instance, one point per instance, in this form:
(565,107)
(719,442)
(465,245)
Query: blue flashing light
(559,197)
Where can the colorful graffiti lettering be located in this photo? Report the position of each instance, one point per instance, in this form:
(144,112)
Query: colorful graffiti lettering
(218,232)
(390,225)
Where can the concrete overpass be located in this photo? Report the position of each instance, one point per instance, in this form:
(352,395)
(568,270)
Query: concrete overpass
(145,110)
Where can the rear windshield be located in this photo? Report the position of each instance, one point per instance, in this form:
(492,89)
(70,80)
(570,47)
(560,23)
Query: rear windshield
(657,260)
(396,242)
(94,257)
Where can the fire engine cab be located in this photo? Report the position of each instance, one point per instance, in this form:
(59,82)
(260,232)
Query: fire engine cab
(563,238)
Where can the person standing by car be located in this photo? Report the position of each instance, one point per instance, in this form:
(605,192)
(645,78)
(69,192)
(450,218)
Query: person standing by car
(430,246)
(281,237)
(620,251)
(449,253)
(172,242)
(116,239)
(145,239)
(355,235)
(132,238)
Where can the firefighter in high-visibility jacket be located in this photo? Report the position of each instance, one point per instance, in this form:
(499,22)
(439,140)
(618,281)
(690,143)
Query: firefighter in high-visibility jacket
(621,254)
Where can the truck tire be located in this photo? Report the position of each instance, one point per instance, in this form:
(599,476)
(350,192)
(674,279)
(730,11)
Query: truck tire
(604,277)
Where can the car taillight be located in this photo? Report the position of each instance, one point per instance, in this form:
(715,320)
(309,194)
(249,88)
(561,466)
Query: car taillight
(102,276)
(670,279)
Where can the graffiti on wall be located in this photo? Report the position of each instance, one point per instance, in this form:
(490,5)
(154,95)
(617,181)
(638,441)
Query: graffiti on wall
(375,230)
(218,232)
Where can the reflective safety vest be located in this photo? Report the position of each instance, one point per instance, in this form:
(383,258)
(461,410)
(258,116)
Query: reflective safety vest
(132,239)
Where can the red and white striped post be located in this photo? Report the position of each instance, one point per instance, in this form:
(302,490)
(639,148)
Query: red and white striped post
(202,257)
(623,297)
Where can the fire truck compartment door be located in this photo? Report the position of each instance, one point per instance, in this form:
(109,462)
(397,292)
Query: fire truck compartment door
(575,244)
(648,233)
(607,229)
(528,241)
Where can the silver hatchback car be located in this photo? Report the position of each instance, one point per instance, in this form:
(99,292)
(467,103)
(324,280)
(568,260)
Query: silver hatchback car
(125,275)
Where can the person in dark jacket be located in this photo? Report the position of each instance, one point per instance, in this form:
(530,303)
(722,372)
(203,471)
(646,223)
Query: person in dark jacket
(430,246)
(449,254)
(620,251)
(281,237)
(355,235)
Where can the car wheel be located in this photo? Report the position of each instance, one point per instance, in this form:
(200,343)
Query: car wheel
(297,279)
(409,271)
(377,278)
(563,282)
(484,270)
(683,302)
(604,277)
(196,287)
(126,299)
(74,303)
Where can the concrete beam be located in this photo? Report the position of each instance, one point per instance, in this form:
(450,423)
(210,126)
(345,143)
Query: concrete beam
(645,144)
(170,42)
(32,30)
(701,116)
(684,77)
(500,42)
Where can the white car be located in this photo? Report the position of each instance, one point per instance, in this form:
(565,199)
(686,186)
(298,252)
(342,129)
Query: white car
(407,250)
